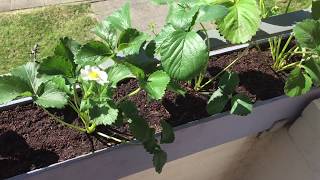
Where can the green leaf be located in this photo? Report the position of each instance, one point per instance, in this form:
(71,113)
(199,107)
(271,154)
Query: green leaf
(160,2)
(130,41)
(180,16)
(228,82)
(142,61)
(52,97)
(138,126)
(85,105)
(167,133)
(105,93)
(103,114)
(117,73)
(307,34)
(136,71)
(105,31)
(151,145)
(208,13)
(140,129)
(241,105)
(57,65)
(151,49)
(29,74)
(297,83)
(315,9)
(159,160)
(142,132)
(183,55)
(129,109)
(60,84)
(210,2)
(241,22)
(166,31)
(217,102)
(312,67)
(156,84)
(92,53)
(67,48)
(175,87)
(11,87)
(107,63)
(120,19)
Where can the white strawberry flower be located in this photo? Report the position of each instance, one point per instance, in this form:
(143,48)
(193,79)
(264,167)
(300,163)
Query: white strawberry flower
(93,73)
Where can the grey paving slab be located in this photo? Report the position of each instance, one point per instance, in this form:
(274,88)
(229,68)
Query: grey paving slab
(54,2)
(142,11)
(5,5)
(24,4)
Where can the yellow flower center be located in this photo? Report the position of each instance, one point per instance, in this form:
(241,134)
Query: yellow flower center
(93,75)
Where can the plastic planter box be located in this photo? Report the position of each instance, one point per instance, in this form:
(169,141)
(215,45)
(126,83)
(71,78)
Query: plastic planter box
(124,160)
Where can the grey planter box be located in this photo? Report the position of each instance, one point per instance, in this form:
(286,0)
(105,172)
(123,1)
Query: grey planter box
(124,160)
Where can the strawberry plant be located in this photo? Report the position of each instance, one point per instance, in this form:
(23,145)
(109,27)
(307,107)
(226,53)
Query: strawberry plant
(281,54)
(240,104)
(84,77)
(306,72)
(183,52)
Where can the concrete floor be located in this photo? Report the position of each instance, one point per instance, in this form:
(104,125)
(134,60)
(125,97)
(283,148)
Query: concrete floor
(11,5)
(143,12)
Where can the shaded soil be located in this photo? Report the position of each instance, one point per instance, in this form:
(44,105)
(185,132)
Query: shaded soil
(257,79)
(30,139)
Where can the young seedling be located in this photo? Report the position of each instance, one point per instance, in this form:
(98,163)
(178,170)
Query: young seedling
(240,104)
(281,54)
(267,11)
(307,71)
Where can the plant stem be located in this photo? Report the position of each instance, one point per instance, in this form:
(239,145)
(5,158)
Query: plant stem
(134,92)
(64,123)
(301,52)
(130,94)
(226,68)
(75,96)
(109,137)
(292,65)
(207,36)
(79,114)
(88,92)
(287,8)
(289,66)
(115,132)
(199,79)
(73,107)
(262,8)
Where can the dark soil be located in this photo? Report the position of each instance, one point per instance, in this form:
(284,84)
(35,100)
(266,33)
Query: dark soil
(257,79)
(30,139)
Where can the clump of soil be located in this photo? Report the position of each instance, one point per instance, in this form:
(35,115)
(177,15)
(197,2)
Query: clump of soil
(30,139)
